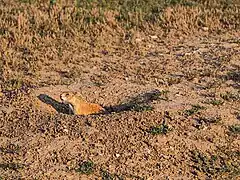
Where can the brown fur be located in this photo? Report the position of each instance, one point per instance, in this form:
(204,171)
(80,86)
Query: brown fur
(79,105)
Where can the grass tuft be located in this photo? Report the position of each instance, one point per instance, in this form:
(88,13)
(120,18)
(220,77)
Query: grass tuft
(86,167)
(231,96)
(13,84)
(108,176)
(11,166)
(193,110)
(215,102)
(28,26)
(213,165)
(141,108)
(235,129)
(161,129)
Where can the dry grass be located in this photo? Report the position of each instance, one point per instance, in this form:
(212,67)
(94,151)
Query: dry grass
(34,33)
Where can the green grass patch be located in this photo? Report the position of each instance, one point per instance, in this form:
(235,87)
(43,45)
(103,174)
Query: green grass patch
(235,129)
(237,114)
(108,176)
(130,14)
(86,167)
(141,108)
(216,165)
(11,166)
(235,76)
(215,102)
(10,149)
(163,95)
(195,108)
(160,129)
(231,96)
(13,84)
(52,2)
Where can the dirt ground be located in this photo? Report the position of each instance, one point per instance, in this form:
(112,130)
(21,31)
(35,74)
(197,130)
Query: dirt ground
(174,114)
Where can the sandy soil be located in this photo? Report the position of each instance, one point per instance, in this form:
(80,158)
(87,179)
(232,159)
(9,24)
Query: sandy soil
(174,115)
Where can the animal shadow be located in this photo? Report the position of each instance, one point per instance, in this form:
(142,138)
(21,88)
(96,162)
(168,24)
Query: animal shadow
(138,103)
(58,106)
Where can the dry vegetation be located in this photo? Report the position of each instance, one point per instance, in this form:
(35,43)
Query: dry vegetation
(168,72)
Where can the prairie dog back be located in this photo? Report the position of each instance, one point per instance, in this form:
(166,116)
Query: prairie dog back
(79,105)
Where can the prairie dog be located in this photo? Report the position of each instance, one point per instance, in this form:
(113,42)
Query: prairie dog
(78,105)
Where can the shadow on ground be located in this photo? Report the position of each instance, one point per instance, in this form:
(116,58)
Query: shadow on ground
(138,103)
(58,106)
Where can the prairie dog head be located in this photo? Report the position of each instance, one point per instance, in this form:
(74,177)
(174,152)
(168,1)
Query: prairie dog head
(70,97)
(66,96)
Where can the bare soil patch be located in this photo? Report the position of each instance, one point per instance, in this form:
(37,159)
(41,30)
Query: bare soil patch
(178,126)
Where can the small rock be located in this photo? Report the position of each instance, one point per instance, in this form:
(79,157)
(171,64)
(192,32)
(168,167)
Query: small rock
(154,37)
(65,130)
(117,155)
(205,28)
(138,39)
